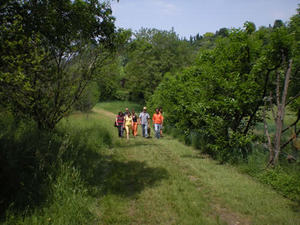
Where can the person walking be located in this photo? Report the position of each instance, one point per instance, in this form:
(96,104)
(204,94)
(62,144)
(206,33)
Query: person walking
(157,122)
(128,124)
(134,123)
(126,112)
(120,123)
(144,121)
(162,123)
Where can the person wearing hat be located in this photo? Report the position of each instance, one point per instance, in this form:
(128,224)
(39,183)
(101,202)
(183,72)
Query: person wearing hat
(144,121)
(126,112)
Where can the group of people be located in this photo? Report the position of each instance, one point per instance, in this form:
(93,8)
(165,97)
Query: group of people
(129,122)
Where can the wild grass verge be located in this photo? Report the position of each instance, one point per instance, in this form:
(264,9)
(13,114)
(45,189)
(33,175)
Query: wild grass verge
(285,178)
(47,175)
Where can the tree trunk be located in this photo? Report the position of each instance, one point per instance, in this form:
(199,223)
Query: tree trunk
(275,147)
(281,112)
(270,146)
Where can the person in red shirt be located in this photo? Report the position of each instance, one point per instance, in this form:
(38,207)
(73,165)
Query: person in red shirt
(157,122)
(120,123)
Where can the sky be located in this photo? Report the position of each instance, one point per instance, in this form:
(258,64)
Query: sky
(189,17)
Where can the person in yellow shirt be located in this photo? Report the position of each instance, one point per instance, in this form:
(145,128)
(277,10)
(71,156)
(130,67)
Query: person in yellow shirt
(128,124)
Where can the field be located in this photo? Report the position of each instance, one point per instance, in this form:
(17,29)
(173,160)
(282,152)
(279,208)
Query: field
(108,180)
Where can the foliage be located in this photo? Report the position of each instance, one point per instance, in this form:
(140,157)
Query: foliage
(294,29)
(89,98)
(281,53)
(218,96)
(286,184)
(110,75)
(284,178)
(44,69)
(150,55)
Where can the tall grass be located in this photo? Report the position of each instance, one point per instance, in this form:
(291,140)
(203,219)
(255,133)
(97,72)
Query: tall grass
(47,175)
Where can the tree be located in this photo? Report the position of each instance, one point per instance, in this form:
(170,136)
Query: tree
(285,44)
(89,98)
(221,96)
(47,58)
(281,97)
(223,32)
(278,24)
(218,97)
(152,54)
(249,27)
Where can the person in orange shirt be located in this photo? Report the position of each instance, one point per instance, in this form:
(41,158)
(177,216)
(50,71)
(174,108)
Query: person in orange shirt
(157,122)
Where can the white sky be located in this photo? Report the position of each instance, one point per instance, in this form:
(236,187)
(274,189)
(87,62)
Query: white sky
(189,17)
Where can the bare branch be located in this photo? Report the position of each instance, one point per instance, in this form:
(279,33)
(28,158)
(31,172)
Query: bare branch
(291,139)
(277,88)
(293,98)
(286,83)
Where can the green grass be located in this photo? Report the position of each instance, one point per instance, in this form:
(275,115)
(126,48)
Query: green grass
(177,185)
(63,167)
(102,179)
(117,106)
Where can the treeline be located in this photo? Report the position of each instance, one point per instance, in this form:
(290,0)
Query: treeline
(213,85)
(145,58)
(221,97)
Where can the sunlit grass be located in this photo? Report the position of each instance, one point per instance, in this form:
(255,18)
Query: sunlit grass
(194,190)
(117,106)
(108,180)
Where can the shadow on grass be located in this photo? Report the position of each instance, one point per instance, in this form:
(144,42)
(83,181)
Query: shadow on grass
(123,144)
(105,175)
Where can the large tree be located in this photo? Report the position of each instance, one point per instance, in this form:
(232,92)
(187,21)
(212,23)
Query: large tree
(150,55)
(285,49)
(49,51)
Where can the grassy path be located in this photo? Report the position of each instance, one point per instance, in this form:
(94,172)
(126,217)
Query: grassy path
(162,181)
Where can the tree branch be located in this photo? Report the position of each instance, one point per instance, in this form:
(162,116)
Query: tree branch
(286,83)
(267,131)
(291,139)
(293,98)
(293,124)
(258,104)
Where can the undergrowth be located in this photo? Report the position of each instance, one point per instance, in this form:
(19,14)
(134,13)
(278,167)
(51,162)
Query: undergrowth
(46,174)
